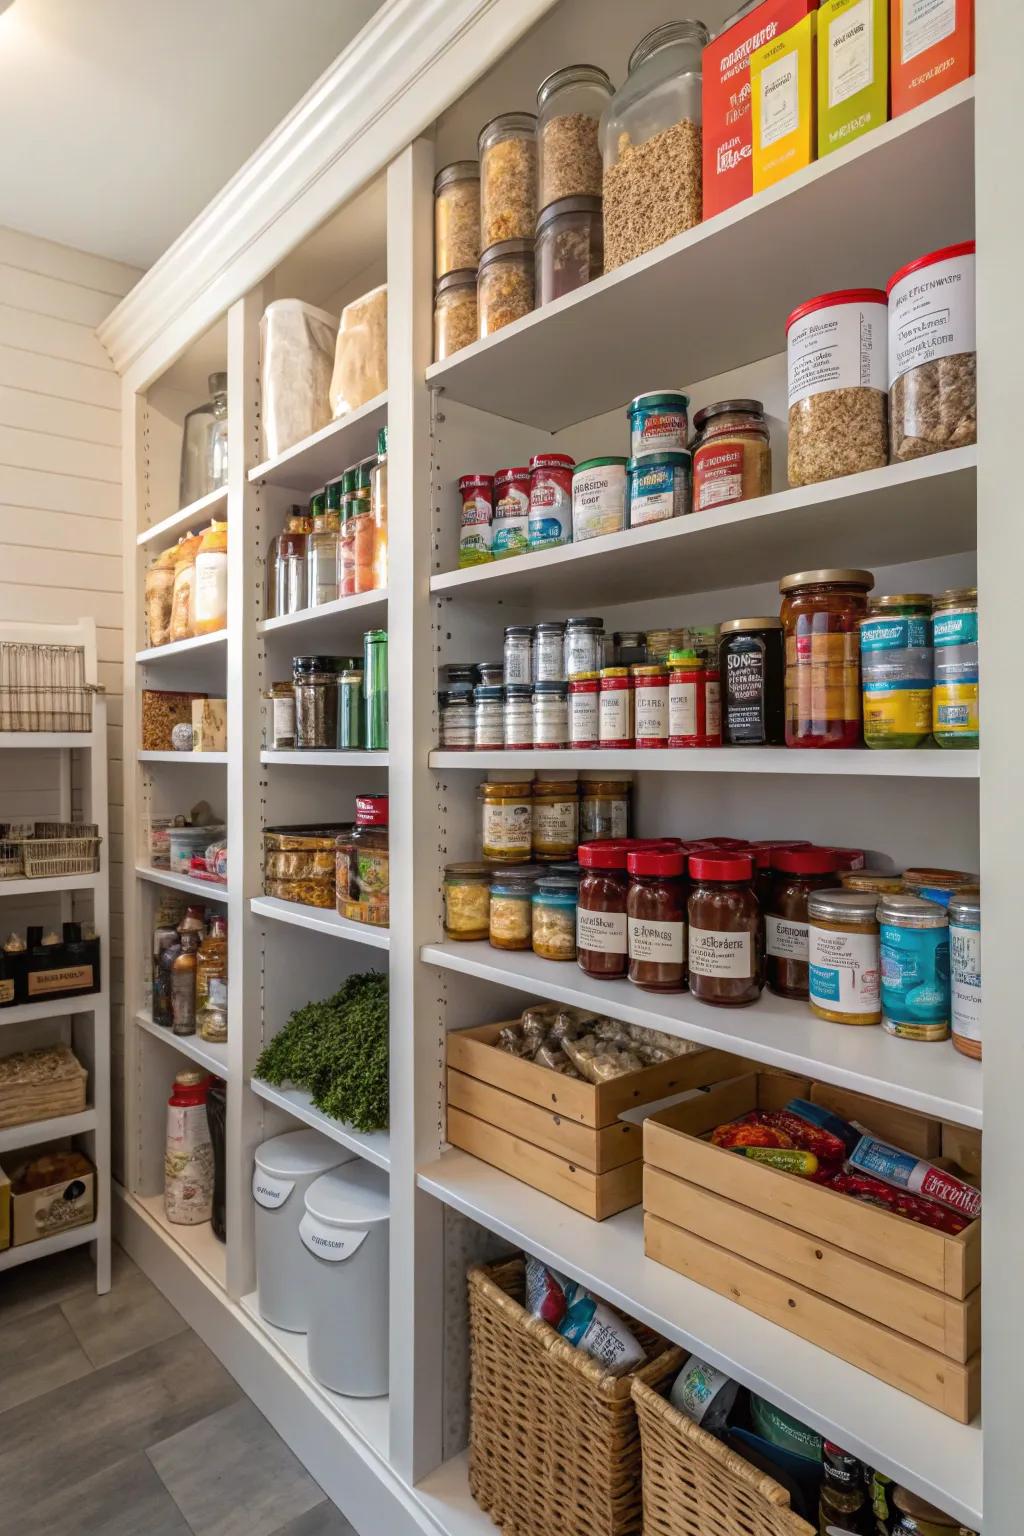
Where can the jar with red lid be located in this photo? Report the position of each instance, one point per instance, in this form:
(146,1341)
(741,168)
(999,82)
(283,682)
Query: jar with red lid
(725,932)
(687,699)
(656,918)
(796,872)
(550,521)
(761,852)
(821,613)
(712,705)
(601,935)
(583,710)
(615,708)
(650,705)
(849,858)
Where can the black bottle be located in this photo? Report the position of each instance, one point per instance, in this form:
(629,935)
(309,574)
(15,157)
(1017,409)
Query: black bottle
(751,661)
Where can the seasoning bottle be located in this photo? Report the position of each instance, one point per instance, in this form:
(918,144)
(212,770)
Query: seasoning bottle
(583,711)
(725,942)
(183,986)
(323,559)
(601,929)
(379,509)
(554,917)
(347,535)
(188,1158)
(615,708)
(518,655)
(549,652)
(361,529)
(650,705)
(712,705)
(550,716)
(687,700)
(292,547)
(518,717)
(583,647)
(656,919)
(467,900)
(844,1498)
(842,940)
(281,699)
(458,718)
(751,665)
(556,820)
(488,718)
(796,873)
(965,973)
(506,821)
(913,943)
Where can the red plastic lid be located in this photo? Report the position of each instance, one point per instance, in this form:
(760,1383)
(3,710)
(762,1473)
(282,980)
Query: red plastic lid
(371,810)
(666,862)
(830,300)
(720,866)
(948,253)
(725,843)
(504,476)
(607,853)
(469,482)
(805,861)
(849,858)
(552,461)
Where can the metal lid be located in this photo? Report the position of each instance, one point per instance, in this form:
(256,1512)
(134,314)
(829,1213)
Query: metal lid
(504,249)
(585,623)
(828,577)
(299,1152)
(734,626)
(519,874)
(551,626)
(675,398)
(900,600)
(723,407)
(507,122)
(964,908)
(955,596)
(881,882)
(518,629)
(459,170)
(581,203)
(555,883)
(469,869)
(518,690)
(355,1195)
(462,277)
(911,912)
(572,74)
(487,691)
(551,688)
(842,904)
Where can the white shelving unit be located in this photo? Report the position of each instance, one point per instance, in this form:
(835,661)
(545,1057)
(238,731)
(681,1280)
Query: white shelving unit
(339,212)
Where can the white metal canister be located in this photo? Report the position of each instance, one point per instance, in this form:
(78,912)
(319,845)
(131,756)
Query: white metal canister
(345,1275)
(284,1169)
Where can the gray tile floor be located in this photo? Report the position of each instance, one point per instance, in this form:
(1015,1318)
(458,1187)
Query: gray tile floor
(116,1420)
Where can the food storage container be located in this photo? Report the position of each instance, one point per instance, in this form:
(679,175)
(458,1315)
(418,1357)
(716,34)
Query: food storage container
(556,820)
(795,874)
(210,598)
(569,247)
(554,917)
(838,383)
(457,217)
(658,422)
(299,862)
(507,148)
(186,841)
(362,868)
(456,322)
(656,919)
(842,937)
(316,702)
(913,941)
(751,667)
(183,593)
(550,716)
(297,354)
(345,1238)
(933,402)
(896,670)
(782,104)
(569,107)
(285,1168)
(506,821)
(361,356)
(659,487)
(511,519)
(511,922)
(504,284)
(726,937)
(467,900)
(821,611)
(598,498)
(204,444)
(732,454)
(159,592)
(605,808)
(550,520)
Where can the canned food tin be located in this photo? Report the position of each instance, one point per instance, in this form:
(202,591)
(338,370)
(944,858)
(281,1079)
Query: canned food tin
(658,422)
(550,519)
(659,487)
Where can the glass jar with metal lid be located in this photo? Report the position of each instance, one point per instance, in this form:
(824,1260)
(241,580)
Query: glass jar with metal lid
(556,819)
(458,723)
(518,654)
(796,874)
(732,454)
(549,652)
(457,217)
(896,670)
(504,285)
(488,718)
(955,696)
(315,680)
(507,147)
(582,646)
(965,973)
(606,807)
(467,900)
(456,314)
(569,107)
(601,927)
(820,614)
(751,666)
(879,881)
(569,247)
(511,909)
(914,951)
(518,717)
(491,673)
(550,716)
(842,941)
(351,714)
(554,917)
(916,1518)
(939,885)
(506,821)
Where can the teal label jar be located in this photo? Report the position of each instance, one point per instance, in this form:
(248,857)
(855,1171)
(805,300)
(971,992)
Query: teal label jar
(896,671)
(914,952)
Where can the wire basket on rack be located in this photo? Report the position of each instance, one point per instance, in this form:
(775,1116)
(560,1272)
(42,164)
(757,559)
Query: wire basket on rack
(44,858)
(43,688)
(10,859)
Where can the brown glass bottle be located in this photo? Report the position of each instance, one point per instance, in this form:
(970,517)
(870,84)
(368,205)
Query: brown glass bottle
(601,927)
(726,947)
(796,872)
(183,986)
(656,919)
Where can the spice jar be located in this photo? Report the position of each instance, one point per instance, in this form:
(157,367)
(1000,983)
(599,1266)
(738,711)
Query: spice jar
(601,930)
(569,247)
(556,820)
(796,873)
(549,652)
(650,705)
(488,717)
(518,654)
(896,670)
(842,940)
(291,565)
(656,919)
(467,901)
(550,521)
(347,536)
(913,943)
(508,179)
(583,647)
(554,917)
(282,716)
(511,908)
(605,809)
(615,708)
(583,710)
(820,615)
(751,668)
(316,702)
(569,107)
(550,716)
(725,933)
(518,717)
(955,696)
(838,418)
(362,866)
(687,718)
(491,673)
(933,401)
(965,973)
(323,563)
(458,718)
(457,217)
(651,143)
(456,313)
(732,454)
(506,821)
(504,290)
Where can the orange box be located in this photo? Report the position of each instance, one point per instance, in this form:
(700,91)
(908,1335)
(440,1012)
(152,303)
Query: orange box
(932,49)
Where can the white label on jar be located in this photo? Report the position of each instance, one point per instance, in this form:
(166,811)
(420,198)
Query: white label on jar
(581,647)
(489,727)
(508,828)
(583,724)
(965,980)
(210,602)
(510,523)
(556,822)
(662,943)
(518,662)
(851,55)
(931,315)
(786,940)
(780,98)
(598,501)
(844,974)
(284,720)
(549,656)
(518,723)
(718,475)
(839,347)
(550,721)
(925,23)
(720,954)
(651,713)
(602,933)
(616,714)
(331,1243)
(682,709)
(269,1192)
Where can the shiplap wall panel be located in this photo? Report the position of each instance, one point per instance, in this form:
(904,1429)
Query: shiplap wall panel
(23,370)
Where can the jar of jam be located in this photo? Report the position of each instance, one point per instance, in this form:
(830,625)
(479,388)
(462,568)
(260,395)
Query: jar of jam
(605,808)
(725,943)
(844,967)
(506,822)
(821,613)
(615,708)
(556,820)
(601,932)
(750,656)
(761,852)
(656,919)
(511,909)
(796,872)
(849,858)
(583,712)
(650,705)
(687,700)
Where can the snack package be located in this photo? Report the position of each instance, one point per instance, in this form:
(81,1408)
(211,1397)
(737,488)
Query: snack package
(705,1394)
(595,1328)
(750,1131)
(545,1292)
(786,1160)
(826,1120)
(903,1171)
(926,1213)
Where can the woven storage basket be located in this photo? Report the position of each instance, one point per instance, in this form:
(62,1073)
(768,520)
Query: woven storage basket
(41,1085)
(45,858)
(554,1443)
(696,1486)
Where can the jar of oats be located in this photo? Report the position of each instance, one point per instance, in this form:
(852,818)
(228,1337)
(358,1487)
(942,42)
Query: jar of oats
(456,217)
(508,178)
(569,107)
(455,313)
(838,385)
(933,401)
(651,144)
(504,284)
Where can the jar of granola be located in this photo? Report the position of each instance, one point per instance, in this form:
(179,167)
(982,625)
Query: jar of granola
(455,313)
(457,217)
(507,147)
(838,385)
(569,107)
(467,901)
(554,917)
(504,285)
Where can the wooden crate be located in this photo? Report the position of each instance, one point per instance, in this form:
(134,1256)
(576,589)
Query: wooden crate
(555,1133)
(899,1300)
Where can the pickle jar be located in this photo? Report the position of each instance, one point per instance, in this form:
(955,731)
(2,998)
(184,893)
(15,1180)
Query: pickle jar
(511,910)
(467,901)
(506,821)
(456,217)
(843,957)
(556,820)
(821,613)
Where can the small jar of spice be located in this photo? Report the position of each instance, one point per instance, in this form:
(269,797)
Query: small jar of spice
(687,700)
(583,711)
(601,931)
(796,872)
(656,919)
(650,706)
(725,943)
(732,455)
(615,708)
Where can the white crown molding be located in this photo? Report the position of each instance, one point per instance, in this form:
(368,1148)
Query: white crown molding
(410,62)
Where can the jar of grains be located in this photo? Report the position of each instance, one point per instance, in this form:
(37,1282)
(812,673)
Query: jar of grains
(725,937)
(467,901)
(518,654)
(518,717)
(457,218)
(965,973)
(896,670)
(615,708)
(556,820)
(569,107)
(570,246)
(796,874)
(601,931)
(550,716)
(583,710)
(456,319)
(656,919)
(511,910)
(504,286)
(751,670)
(606,809)
(550,521)
(687,714)
(933,401)
(582,647)
(732,454)
(842,953)
(458,723)
(955,642)
(650,704)
(821,611)
(651,143)
(488,717)
(549,652)
(913,941)
(507,147)
(506,822)
(554,917)
(838,383)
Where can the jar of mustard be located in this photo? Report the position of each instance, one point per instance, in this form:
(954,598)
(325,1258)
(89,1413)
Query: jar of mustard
(842,940)
(556,820)
(467,901)
(506,822)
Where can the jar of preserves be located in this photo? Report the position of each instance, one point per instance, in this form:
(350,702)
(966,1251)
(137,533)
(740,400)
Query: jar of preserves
(725,931)
(456,313)
(511,910)
(651,143)
(458,718)
(550,521)
(913,941)
(656,919)
(650,705)
(362,865)
(569,107)
(518,717)
(933,402)
(457,217)
(550,716)
(687,700)
(570,247)
(821,611)
(751,666)
(467,901)
(838,416)
(965,973)
(504,286)
(583,647)
(315,680)
(896,670)
(796,873)
(732,454)
(601,929)
(583,711)
(507,147)
(488,718)
(842,951)
(615,708)
(556,820)
(955,639)
(506,822)
(554,917)
(605,808)
(549,652)
(518,654)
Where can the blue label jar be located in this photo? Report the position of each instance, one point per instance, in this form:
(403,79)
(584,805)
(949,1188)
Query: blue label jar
(659,487)
(914,951)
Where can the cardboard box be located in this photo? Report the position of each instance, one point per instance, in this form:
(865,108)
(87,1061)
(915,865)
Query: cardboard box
(161,712)
(932,49)
(209,725)
(728,168)
(5,1211)
(783,89)
(58,1206)
(853,70)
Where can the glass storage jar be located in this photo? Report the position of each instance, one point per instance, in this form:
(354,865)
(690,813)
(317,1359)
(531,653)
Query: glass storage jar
(965,973)
(347,536)
(316,702)
(569,247)
(732,454)
(518,717)
(554,917)
(322,559)
(796,873)
(605,808)
(550,716)
(725,931)
(583,647)
(518,654)
(838,411)
(651,143)
(656,919)
(601,929)
(456,314)
(556,820)
(488,718)
(913,943)
(492,673)
(292,549)
(210,598)
(504,285)
(507,147)
(362,529)
(506,821)
(821,611)
(842,939)
(615,708)
(204,444)
(281,699)
(583,711)
(511,908)
(569,107)
(955,694)
(467,901)
(362,869)
(896,670)
(351,710)
(751,666)
(458,718)
(549,652)
(457,217)
(933,401)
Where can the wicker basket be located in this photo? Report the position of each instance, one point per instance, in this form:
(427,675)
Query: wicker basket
(10,859)
(554,1444)
(43,858)
(696,1486)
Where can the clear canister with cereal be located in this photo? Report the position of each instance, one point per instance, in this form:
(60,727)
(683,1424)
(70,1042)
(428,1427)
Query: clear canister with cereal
(838,385)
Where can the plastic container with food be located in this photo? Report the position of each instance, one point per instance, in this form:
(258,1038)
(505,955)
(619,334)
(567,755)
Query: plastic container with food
(838,385)
(457,217)
(361,355)
(933,398)
(184,842)
(569,107)
(456,322)
(507,147)
(570,246)
(505,284)
(598,498)
(511,909)
(297,344)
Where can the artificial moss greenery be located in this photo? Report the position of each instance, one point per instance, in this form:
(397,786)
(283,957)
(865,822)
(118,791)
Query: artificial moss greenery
(337,1050)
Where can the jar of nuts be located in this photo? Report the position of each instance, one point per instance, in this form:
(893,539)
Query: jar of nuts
(455,313)
(569,107)
(504,285)
(508,178)
(456,217)
(838,418)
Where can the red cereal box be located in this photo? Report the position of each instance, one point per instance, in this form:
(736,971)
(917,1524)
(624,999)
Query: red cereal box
(932,49)
(728,175)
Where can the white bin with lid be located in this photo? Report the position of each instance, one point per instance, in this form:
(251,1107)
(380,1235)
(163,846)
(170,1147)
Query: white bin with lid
(345,1233)
(285,1168)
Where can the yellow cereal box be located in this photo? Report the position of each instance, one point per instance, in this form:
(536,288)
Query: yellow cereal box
(783,90)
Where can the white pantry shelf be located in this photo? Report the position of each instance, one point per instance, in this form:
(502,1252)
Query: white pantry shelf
(37,1131)
(774,1030)
(197,513)
(921,1448)
(74,1237)
(325,622)
(876,765)
(38,741)
(310,759)
(375,1146)
(217,643)
(198,1244)
(327,453)
(206,1053)
(320,920)
(182,757)
(30,1013)
(50,884)
(201,890)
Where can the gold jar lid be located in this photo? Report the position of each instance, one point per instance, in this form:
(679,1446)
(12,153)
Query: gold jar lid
(957,597)
(733,626)
(838,576)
